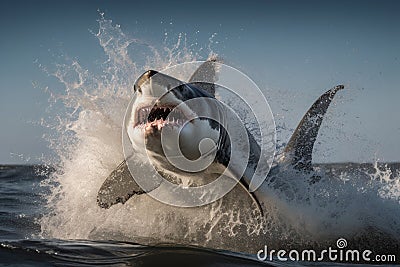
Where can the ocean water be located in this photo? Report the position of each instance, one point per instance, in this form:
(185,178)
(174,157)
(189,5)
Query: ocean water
(23,241)
(22,206)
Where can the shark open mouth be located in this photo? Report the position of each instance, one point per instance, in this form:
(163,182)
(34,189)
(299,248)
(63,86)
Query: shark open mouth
(159,116)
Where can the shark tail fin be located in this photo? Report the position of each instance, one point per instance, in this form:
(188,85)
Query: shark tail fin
(298,151)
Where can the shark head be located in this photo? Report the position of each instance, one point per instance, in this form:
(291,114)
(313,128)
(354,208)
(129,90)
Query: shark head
(162,121)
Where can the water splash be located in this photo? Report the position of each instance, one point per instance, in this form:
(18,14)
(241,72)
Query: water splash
(88,147)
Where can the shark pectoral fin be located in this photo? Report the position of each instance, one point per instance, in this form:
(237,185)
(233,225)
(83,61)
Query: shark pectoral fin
(205,76)
(118,187)
(298,151)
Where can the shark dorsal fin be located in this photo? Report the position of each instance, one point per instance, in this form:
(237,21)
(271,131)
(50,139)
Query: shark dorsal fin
(205,76)
(298,151)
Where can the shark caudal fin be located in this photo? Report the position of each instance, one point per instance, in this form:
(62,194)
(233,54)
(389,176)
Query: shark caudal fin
(298,152)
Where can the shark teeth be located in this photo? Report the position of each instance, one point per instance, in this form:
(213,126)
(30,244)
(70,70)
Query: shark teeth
(158,117)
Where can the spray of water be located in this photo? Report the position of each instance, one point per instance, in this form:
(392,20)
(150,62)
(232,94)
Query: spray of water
(88,147)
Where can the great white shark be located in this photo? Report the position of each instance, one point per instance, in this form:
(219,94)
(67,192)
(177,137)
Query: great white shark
(159,106)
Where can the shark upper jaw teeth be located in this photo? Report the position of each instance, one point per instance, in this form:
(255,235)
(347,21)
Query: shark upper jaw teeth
(158,117)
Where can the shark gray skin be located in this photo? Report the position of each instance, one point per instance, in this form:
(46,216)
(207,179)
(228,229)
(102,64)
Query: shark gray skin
(148,117)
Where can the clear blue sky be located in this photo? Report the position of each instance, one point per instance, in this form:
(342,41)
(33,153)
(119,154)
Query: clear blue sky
(300,47)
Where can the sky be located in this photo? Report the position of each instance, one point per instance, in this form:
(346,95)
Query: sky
(295,49)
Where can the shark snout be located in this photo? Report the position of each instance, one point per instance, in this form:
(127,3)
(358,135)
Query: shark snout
(155,84)
(143,79)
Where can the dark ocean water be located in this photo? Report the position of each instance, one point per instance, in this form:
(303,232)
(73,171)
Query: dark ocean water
(22,204)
